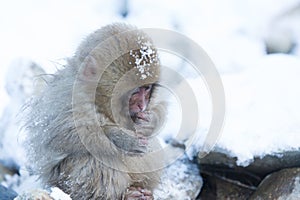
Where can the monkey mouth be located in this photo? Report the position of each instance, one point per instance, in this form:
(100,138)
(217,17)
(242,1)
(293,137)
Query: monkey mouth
(140,117)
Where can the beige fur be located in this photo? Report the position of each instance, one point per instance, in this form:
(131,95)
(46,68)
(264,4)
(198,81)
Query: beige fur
(72,123)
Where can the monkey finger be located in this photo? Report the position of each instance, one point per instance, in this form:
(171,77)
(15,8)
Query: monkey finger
(147,198)
(134,194)
(143,116)
(143,141)
(146,192)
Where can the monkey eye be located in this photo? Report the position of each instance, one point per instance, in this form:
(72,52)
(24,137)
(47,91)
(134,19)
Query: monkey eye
(148,87)
(135,91)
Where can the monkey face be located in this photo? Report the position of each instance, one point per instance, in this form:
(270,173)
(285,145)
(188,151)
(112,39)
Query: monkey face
(139,101)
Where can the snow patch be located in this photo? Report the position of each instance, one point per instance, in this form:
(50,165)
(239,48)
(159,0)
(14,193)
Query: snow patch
(58,194)
(145,58)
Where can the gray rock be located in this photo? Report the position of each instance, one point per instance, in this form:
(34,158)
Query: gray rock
(282,185)
(280,41)
(6,193)
(224,179)
(283,31)
(260,166)
(216,188)
(5,171)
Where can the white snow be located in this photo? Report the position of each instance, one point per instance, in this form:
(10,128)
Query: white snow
(262,91)
(263,109)
(145,58)
(57,194)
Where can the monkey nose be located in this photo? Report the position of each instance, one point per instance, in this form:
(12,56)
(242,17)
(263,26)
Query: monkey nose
(141,106)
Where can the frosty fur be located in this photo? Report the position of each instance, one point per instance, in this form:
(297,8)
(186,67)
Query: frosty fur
(65,145)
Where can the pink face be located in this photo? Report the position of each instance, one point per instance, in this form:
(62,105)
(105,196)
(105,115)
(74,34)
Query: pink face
(139,100)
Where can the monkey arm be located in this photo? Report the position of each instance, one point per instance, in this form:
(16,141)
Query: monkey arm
(126,140)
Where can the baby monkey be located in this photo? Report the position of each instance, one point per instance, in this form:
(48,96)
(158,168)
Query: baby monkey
(91,131)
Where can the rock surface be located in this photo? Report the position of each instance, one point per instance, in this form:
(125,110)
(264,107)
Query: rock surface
(282,32)
(224,179)
(223,189)
(34,195)
(6,193)
(5,171)
(280,41)
(282,185)
(260,166)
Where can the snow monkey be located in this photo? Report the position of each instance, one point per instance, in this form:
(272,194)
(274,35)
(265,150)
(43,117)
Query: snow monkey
(91,132)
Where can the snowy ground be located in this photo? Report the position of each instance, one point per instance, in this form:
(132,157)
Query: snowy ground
(262,91)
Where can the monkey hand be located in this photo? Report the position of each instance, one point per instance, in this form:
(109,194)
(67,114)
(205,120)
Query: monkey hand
(147,124)
(142,117)
(138,193)
(127,141)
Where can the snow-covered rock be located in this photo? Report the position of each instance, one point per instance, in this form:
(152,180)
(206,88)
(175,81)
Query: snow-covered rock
(181,180)
(21,77)
(263,112)
(6,193)
(34,195)
(283,32)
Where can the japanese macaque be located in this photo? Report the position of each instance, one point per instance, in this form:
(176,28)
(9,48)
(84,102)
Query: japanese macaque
(91,132)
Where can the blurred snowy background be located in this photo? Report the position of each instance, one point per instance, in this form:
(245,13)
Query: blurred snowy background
(255,45)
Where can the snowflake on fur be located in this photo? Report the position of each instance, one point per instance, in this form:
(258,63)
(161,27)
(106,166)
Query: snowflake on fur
(144,58)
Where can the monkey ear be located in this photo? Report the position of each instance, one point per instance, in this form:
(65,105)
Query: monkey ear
(90,67)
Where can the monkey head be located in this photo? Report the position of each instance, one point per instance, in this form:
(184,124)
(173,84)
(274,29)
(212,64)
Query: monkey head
(120,73)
